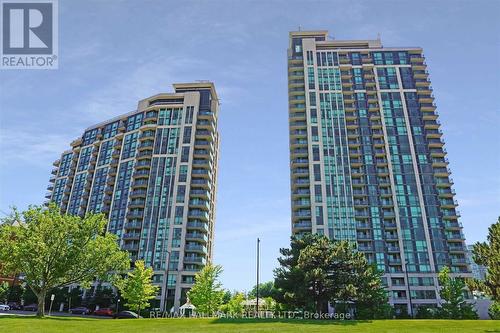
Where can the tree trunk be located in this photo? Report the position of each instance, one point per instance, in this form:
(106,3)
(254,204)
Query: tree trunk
(41,303)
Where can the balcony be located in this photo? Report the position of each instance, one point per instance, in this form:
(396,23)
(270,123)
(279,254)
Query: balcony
(200,153)
(131,247)
(301,192)
(203,173)
(196,248)
(147,135)
(143,164)
(76,142)
(458,261)
(138,194)
(144,154)
(302,225)
(301,213)
(391,236)
(198,214)
(196,236)
(144,173)
(150,116)
(300,161)
(115,154)
(131,236)
(137,203)
(393,249)
(195,260)
(394,261)
(198,203)
(112,171)
(198,225)
(202,163)
(145,145)
(363,225)
(205,124)
(135,214)
(204,134)
(301,182)
(204,183)
(299,151)
(133,225)
(390,225)
(300,172)
(298,142)
(303,202)
(297,124)
(197,193)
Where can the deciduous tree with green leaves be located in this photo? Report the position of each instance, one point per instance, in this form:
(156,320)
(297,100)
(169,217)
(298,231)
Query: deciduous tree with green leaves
(4,290)
(207,293)
(488,254)
(137,288)
(235,305)
(454,305)
(54,250)
(266,289)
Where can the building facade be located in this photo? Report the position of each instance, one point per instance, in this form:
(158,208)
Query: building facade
(368,163)
(478,271)
(153,172)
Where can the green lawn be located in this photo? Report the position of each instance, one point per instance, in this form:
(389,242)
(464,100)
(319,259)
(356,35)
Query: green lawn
(16,324)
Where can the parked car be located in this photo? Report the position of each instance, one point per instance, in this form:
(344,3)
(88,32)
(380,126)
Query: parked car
(126,314)
(31,307)
(15,306)
(104,312)
(4,307)
(80,310)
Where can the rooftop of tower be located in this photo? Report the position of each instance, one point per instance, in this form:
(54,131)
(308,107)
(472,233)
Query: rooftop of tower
(324,41)
(179,89)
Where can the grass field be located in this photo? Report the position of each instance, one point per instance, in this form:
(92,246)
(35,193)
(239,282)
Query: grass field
(17,324)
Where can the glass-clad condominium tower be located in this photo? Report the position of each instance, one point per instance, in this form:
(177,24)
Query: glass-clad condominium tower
(153,172)
(368,163)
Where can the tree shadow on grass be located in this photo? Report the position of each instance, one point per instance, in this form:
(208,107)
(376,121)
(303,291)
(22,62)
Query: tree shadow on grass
(68,318)
(287,321)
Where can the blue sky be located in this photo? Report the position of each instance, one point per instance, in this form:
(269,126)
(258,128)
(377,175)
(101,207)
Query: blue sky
(113,53)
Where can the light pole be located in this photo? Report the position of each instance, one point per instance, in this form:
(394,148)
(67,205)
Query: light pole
(408,287)
(257,291)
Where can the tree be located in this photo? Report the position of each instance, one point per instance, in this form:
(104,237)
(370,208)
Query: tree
(235,305)
(137,288)
(227,296)
(206,293)
(316,271)
(266,289)
(488,254)
(290,279)
(454,305)
(4,291)
(54,250)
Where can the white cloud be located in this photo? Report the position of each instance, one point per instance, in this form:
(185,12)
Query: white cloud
(27,145)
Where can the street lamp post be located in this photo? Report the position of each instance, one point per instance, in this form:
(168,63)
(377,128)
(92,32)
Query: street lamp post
(257,290)
(408,287)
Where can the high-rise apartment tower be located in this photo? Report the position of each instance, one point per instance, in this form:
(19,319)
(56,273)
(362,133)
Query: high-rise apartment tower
(368,163)
(153,172)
